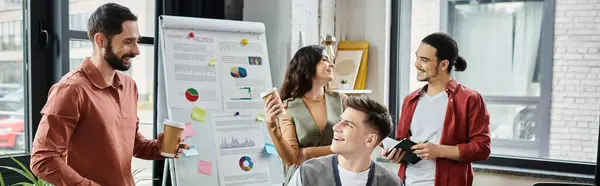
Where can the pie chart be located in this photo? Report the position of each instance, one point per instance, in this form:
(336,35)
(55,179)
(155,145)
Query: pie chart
(238,72)
(246,163)
(191,94)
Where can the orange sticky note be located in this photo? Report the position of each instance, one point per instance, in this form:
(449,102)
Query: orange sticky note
(188,130)
(204,167)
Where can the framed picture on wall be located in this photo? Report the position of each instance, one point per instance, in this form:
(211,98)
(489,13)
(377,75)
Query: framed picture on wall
(351,65)
(347,63)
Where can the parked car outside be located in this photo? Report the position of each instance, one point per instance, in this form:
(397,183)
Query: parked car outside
(12,130)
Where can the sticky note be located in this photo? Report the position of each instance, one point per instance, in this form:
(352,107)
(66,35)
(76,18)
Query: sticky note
(191,152)
(212,62)
(260,117)
(270,149)
(204,167)
(188,130)
(198,114)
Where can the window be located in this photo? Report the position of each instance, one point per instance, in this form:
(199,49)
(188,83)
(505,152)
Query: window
(508,67)
(12,81)
(14,1)
(142,69)
(80,11)
(542,94)
(10,35)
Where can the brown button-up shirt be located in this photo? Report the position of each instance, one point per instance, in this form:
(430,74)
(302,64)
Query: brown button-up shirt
(89,131)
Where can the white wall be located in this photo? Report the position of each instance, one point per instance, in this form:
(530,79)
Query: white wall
(370,21)
(284,20)
(355,20)
(575,81)
(425,20)
(277,16)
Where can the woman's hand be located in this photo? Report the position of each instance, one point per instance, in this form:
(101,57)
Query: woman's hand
(273,108)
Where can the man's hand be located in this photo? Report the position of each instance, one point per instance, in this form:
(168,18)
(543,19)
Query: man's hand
(394,156)
(181,146)
(427,151)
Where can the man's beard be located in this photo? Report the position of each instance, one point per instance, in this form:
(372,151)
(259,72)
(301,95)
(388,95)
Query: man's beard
(437,72)
(114,61)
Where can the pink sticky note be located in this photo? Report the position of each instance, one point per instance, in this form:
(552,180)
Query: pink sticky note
(204,167)
(188,130)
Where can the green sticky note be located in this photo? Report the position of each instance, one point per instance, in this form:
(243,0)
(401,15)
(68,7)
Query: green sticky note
(260,117)
(212,62)
(198,114)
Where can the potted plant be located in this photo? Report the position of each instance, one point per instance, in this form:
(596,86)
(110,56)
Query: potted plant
(39,182)
(345,85)
(25,172)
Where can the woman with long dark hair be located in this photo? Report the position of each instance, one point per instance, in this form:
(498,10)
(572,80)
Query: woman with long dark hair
(305,130)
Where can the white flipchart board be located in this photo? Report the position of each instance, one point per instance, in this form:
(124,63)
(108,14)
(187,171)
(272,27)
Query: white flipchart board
(185,65)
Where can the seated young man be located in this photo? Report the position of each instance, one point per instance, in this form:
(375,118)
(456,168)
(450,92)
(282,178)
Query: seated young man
(363,125)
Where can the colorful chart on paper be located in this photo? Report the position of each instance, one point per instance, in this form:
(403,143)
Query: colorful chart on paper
(191,94)
(238,72)
(246,163)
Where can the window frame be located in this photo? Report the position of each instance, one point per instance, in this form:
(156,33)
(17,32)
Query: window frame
(542,102)
(399,86)
(36,71)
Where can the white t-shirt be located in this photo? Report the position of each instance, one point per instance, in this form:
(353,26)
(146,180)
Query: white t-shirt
(347,178)
(426,125)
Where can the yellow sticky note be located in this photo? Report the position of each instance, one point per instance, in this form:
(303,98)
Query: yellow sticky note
(212,62)
(198,114)
(260,117)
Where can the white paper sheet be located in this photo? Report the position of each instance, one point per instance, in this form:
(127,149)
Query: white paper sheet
(244,75)
(239,144)
(217,25)
(192,80)
(389,143)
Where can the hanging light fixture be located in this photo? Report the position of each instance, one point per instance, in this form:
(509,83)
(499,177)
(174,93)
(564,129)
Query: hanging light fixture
(329,42)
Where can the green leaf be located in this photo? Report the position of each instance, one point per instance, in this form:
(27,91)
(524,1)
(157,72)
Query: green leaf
(23,184)
(25,172)
(29,175)
(41,182)
(16,170)
(1,180)
(144,179)
(136,171)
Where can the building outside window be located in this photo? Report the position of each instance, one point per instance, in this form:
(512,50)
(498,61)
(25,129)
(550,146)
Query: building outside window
(12,79)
